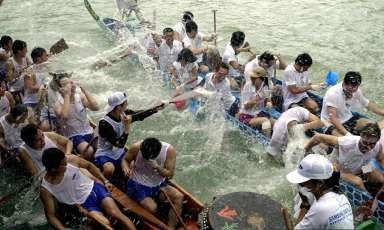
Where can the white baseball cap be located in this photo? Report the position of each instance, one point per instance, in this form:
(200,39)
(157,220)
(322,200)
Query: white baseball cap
(114,100)
(313,166)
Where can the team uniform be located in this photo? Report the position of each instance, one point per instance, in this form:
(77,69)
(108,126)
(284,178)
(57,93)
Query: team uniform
(293,78)
(249,93)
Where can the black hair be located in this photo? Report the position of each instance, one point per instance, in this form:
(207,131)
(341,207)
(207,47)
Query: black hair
(28,133)
(187,16)
(352,78)
(266,56)
(186,55)
(303,59)
(18,110)
(237,38)
(150,148)
(52,158)
(18,45)
(36,53)
(191,26)
(167,30)
(371,130)
(5,39)
(224,65)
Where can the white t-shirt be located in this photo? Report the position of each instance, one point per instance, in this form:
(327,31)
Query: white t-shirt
(228,56)
(349,156)
(292,77)
(250,66)
(223,91)
(249,93)
(149,43)
(195,43)
(184,73)
(168,55)
(336,98)
(331,211)
(180,28)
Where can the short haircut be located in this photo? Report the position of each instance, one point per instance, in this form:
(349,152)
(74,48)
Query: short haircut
(303,59)
(52,158)
(191,26)
(371,130)
(352,78)
(18,110)
(224,66)
(28,133)
(237,38)
(167,30)
(150,148)
(5,39)
(266,56)
(187,16)
(36,53)
(18,45)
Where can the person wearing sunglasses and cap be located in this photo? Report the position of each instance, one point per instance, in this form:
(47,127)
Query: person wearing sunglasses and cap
(316,176)
(296,83)
(353,154)
(113,130)
(254,97)
(338,101)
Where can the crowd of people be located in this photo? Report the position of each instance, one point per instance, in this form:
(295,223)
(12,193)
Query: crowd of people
(44,122)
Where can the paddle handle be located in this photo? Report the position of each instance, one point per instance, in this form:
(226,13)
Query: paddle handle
(174,209)
(287,219)
(214,25)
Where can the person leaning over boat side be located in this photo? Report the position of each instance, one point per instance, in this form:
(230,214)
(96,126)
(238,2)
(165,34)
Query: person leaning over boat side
(184,71)
(113,132)
(296,83)
(297,116)
(70,109)
(269,62)
(230,58)
(336,112)
(6,99)
(219,83)
(194,41)
(127,6)
(35,142)
(66,182)
(353,153)
(154,164)
(254,98)
(168,50)
(179,28)
(6,44)
(316,175)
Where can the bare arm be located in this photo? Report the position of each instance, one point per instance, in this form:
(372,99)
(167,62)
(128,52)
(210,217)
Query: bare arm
(63,143)
(129,157)
(27,162)
(375,108)
(332,111)
(321,138)
(81,163)
(88,100)
(282,63)
(49,209)
(3,144)
(299,89)
(62,111)
(169,164)
(10,99)
(314,122)
(194,75)
(173,76)
(209,38)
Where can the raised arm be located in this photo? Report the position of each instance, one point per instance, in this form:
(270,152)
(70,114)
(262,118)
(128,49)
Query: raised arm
(169,164)
(314,122)
(63,143)
(88,100)
(62,111)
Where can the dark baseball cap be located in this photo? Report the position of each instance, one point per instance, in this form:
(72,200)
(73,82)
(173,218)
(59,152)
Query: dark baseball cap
(352,78)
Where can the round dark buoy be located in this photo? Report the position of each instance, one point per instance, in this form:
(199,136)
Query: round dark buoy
(245,210)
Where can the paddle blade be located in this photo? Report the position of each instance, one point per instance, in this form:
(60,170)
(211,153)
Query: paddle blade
(58,47)
(331,78)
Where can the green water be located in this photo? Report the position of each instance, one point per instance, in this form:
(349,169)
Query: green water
(213,157)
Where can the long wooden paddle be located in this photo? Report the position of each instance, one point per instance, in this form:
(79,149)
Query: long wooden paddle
(174,209)
(287,219)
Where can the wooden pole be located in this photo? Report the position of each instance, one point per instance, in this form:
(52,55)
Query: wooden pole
(174,209)
(214,25)
(287,219)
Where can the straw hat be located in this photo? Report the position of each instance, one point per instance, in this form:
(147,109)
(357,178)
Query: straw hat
(258,72)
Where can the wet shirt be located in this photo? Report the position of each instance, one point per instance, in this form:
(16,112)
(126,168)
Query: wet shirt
(168,55)
(195,43)
(229,55)
(222,89)
(293,78)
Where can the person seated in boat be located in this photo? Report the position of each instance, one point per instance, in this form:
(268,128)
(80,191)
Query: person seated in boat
(20,62)
(294,118)
(336,112)
(184,71)
(6,99)
(126,7)
(74,181)
(6,43)
(35,142)
(113,130)
(152,42)
(219,83)
(70,108)
(316,175)
(149,164)
(296,83)
(230,58)
(179,28)
(353,153)
(254,97)
(10,128)
(194,41)
(168,50)
(269,62)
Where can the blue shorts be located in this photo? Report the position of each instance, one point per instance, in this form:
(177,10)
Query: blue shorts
(81,138)
(376,165)
(101,160)
(139,192)
(98,194)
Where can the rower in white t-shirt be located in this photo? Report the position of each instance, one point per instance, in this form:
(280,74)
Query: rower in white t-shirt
(292,117)
(353,153)
(168,50)
(296,83)
(179,28)
(331,210)
(337,104)
(184,71)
